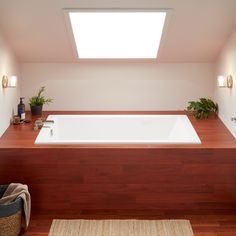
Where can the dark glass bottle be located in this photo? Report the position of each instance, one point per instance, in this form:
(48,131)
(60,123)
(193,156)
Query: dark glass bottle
(21,109)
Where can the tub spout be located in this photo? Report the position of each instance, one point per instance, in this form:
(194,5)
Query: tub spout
(49,127)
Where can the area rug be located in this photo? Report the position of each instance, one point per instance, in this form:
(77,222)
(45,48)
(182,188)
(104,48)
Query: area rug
(121,228)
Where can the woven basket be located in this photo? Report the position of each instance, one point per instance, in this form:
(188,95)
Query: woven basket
(10,216)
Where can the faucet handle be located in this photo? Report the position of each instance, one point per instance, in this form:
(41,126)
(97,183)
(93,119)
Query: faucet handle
(48,121)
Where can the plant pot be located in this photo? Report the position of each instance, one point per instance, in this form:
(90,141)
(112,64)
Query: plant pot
(36,110)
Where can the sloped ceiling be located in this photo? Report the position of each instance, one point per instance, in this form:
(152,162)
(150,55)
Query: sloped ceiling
(36,29)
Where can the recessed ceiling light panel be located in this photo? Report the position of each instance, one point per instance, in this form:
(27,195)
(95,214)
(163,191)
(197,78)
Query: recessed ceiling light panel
(117,35)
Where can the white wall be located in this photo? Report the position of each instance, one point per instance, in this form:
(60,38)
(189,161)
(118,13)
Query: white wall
(118,86)
(226,98)
(8,96)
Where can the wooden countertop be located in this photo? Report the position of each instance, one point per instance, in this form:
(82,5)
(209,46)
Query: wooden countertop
(212,133)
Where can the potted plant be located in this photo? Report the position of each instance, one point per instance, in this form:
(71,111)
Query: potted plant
(203,108)
(37,102)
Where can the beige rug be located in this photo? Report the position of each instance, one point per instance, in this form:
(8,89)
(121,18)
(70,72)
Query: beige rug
(121,228)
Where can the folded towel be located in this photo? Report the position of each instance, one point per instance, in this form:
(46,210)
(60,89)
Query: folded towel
(15,191)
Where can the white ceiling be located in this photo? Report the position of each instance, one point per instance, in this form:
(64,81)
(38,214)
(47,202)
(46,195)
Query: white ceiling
(36,29)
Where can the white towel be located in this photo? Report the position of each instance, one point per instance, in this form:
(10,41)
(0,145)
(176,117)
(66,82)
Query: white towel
(14,191)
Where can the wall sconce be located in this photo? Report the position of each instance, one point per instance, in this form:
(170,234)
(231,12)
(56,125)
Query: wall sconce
(225,82)
(9,83)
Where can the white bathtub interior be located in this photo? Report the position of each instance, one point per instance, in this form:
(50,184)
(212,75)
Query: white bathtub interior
(118,129)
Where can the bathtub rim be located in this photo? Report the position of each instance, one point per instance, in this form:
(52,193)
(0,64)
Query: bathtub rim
(195,138)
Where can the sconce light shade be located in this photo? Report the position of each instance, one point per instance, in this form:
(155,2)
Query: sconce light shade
(12,82)
(225,82)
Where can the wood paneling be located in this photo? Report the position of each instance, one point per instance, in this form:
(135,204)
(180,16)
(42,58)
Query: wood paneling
(72,178)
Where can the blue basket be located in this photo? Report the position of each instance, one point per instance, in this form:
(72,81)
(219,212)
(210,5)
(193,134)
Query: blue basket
(10,215)
(10,208)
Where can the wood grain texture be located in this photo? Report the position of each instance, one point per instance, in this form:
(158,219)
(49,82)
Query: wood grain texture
(74,179)
(71,178)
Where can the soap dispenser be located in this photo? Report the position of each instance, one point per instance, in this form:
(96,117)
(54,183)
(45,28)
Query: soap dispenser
(21,109)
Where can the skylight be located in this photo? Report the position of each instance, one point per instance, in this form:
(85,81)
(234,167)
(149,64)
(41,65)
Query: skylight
(117,35)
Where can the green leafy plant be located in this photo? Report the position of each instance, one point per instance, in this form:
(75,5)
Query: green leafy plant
(39,100)
(202,108)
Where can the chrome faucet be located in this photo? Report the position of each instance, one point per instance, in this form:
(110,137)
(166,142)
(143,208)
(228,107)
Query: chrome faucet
(40,123)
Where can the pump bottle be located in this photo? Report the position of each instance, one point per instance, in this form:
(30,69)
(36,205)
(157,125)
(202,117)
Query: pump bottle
(21,109)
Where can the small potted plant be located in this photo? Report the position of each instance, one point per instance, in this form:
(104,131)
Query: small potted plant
(37,102)
(203,108)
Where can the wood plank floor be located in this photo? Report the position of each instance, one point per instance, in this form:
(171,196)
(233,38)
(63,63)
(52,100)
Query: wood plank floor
(203,225)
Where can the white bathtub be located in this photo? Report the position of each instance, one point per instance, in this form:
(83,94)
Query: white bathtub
(118,129)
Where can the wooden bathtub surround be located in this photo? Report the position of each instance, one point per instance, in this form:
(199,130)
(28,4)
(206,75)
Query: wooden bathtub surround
(212,133)
(166,178)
